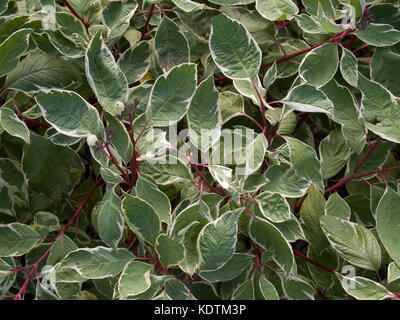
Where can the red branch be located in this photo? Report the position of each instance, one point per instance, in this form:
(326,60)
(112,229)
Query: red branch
(297,253)
(358,167)
(155,11)
(25,119)
(76,14)
(21,292)
(335,38)
(147,22)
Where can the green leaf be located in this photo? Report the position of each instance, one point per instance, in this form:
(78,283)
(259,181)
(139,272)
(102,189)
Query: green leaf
(7,277)
(17,239)
(334,152)
(171,45)
(246,89)
(141,218)
(312,209)
(104,76)
(363,288)
(354,242)
(204,115)
(388,221)
(307,98)
(47,219)
(116,16)
(191,260)
(379,105)
(245,291)
(349,67)
(251,157)
(312,7)
(110,175)
(320,64)
(170,95)
(166,173)
(170,252)
(69,113)
(347,114)
(379,35)
(50,169)
(232,2)
(384,64)
(70,26)
(61,247)
(373,162)
(150,193)
(274,206)
(230,270)
(233,49)
(297,289)
(231,104)
(337,207)
(393,272)
(329,25)
(13,125)
(277,9)
(195,213)
(110,221)
(305,160)
(290,229)
(60,45)
(135,62)
(135,279)
(41,71)
(271,239)
(96,263)
(4,6)
(187,5)
(120,137)
(283,180)
(309,24)
(270,76)
(217,240)
(11,49)
(357,7)
(267,289)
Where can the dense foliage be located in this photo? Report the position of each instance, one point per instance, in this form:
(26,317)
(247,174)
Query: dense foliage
(222,149)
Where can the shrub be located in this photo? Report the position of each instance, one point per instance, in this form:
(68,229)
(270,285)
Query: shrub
(230,149)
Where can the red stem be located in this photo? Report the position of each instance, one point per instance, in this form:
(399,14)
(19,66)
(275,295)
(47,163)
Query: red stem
(370,150)
(357,168)
(22,117)
(133,163)
(331,271)
(289,57)
(21,292)
(115,162)
(76,14)
(154,11)
(262,105)
(147,22)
